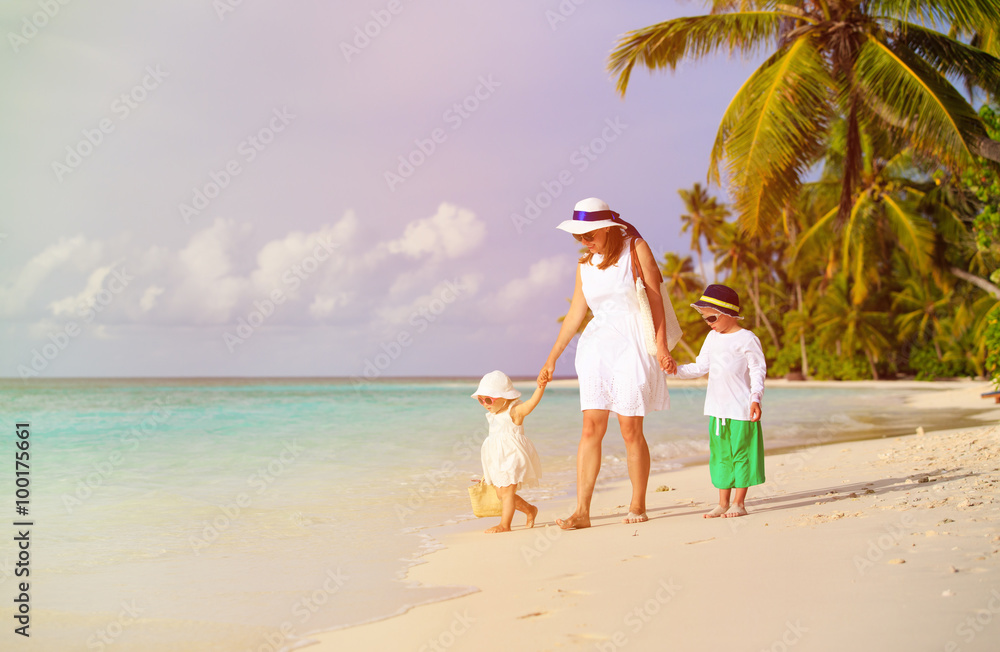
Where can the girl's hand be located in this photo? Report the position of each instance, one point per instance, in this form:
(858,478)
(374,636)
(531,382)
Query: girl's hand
(545,375)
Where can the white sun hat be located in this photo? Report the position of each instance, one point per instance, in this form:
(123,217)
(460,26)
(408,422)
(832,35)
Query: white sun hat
(589,215)
(496,384)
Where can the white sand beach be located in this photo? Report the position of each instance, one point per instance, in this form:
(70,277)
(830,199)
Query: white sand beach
(884,544)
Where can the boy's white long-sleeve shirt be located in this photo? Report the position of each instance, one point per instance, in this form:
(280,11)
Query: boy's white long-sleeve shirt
(736,369)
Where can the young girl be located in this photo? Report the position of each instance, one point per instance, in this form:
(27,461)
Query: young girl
(509,459)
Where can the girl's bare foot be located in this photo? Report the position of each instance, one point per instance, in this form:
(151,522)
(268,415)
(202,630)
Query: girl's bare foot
(716,512)
(497,528)
(532,513)
(737,510)
(574,522)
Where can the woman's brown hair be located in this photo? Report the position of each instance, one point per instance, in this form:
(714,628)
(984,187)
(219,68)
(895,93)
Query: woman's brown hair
(612,250)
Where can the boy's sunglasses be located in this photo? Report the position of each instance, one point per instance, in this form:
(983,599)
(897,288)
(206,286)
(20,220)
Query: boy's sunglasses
(584,237)
(711,319)
(485,400)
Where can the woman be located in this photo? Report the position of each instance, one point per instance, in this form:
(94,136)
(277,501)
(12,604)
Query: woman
(615,372)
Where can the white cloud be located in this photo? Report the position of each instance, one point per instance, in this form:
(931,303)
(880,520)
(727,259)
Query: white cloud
(323,275)
(207,290)
(287,263)
(324,305)
(75,305)
(428,306)
(449,233)
(76,252)
(149,297)
(543,276)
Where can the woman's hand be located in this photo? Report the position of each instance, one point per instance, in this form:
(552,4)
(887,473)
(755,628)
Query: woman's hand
(667,362)
(545,375)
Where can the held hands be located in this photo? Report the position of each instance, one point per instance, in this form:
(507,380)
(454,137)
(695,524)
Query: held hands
(667,362)
(545,375)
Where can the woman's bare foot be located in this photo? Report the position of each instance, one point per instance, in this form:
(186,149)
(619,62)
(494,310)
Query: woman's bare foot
(716,512)
(634,517)
(737,510)
(574,522)
(532,513)
(497,528)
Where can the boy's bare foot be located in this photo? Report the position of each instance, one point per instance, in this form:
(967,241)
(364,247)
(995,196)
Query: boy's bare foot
(497,528)
(737,510)
(574,522)
(532,513)
(635,518)
(716,512)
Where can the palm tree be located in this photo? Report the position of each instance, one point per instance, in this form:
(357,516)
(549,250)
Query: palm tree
(885,217)
(681,279)
(679,274)
(872,63)
(850,326)
(922,305)
(966,332)
(743,256)
(704,216)
(800,323)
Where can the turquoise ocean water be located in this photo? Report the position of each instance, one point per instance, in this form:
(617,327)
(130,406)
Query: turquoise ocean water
(242,514)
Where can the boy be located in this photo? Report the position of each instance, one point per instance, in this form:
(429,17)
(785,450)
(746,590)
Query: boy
(734,361)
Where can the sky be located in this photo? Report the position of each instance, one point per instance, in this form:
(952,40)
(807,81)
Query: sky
(364,189)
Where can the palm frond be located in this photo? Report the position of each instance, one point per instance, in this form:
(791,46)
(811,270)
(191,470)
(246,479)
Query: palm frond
(951,57)
(811,234)
(666,44)
(919,99)
(913,233)
(770,134)
(962,13)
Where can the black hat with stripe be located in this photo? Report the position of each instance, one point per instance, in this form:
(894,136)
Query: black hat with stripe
(721,298)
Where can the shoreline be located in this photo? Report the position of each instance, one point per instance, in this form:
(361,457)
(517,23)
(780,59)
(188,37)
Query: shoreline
(458,562)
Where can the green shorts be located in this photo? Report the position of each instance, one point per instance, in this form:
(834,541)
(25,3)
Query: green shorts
(736,453)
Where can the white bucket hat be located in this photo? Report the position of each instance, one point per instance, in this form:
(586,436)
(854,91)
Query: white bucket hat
(496,384)
(589,215)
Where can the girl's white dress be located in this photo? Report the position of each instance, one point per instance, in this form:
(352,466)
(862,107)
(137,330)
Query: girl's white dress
(614,369)
(508,457)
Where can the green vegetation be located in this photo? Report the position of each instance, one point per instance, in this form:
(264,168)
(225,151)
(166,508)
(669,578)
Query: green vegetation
(866,238)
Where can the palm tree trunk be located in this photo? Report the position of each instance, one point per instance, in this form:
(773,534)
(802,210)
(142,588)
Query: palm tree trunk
(987,148)
(756,291)
(852,163)
(805,358)
(767,322)
(802,335)
(980,283)
(871,364)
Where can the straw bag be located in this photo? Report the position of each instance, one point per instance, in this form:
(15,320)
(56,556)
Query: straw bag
(669,318)
(485,501)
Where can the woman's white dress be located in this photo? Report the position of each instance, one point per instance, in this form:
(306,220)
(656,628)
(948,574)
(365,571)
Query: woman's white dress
(614,369)
(508,456)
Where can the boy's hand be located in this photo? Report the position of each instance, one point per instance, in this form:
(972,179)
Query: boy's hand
(755,411)
(667,362)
